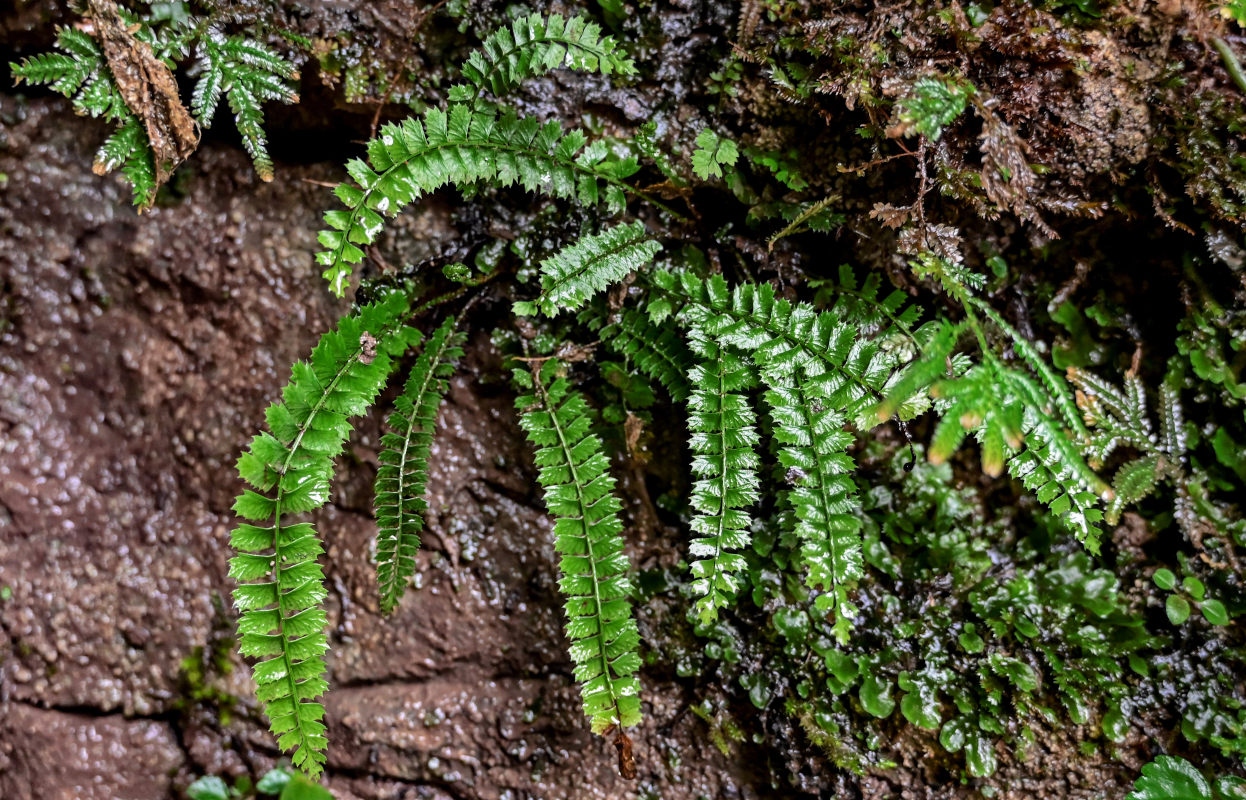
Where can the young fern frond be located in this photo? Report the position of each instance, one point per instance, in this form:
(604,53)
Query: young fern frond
(532,46)
(402,477)
(280,585)
(659,352)
(813,448)
(577,272)
(723,439)
(579,493)
(462,146)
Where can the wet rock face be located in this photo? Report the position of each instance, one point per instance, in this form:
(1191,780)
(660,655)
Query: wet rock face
(136,356)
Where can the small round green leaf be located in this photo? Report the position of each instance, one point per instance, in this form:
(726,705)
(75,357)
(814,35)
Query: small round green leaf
(273,781)
(1164,579)
(1170,778)
(1215,612)
(208,787)
(1194,587)
(876,697)
(300,788)
(1178,609)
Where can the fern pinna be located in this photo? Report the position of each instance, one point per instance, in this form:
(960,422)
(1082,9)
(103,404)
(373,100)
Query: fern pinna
(579,492)
(402,476)
(280,585)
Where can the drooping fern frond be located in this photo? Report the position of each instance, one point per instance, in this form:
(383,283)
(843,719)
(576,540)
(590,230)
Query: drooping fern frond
(813,448)
(280,584)
(579,493)
(403,475)
(577,272)
(658,351)
(462,146)
(248,73)
(723,439)
(532,46)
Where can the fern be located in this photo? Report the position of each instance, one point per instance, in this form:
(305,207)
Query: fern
(1117,417)
(583,269)
(723,440)
(851,370)
(462,146)
(659,352)
(403,474)
(532,46)
(81,73)
(249,74)
(579,492)
(813,448)
(280,585)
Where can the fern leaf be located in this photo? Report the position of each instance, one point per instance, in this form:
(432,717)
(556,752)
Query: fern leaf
(813,448)
(248,74)
(780,335)
(579,493)
(659,352)
(723,440)
(462,146)
(280,585)
(532,46)
(581,270)
(403,475)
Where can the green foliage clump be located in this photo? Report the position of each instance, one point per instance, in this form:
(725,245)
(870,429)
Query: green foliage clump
(236,66)
(988,629)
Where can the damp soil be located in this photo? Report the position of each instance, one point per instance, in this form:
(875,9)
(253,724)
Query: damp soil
(137,353)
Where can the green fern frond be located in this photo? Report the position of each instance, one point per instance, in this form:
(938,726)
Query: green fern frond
(65,73)
(532,46)
(248,74)
(813,448)
(280,585)
(858,303)
(403,475)
(462,146)
(780,335)
(579,493)
(723,439)
(577,272)
(1132,483)
(1005,410)
(658,351)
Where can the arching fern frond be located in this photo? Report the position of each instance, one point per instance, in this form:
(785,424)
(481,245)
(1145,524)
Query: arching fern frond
(579,493)
(658,351)
(462,146)
(577,272)
(723,439)
(780,335)
(403,475)
(534,45)
(280,585)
